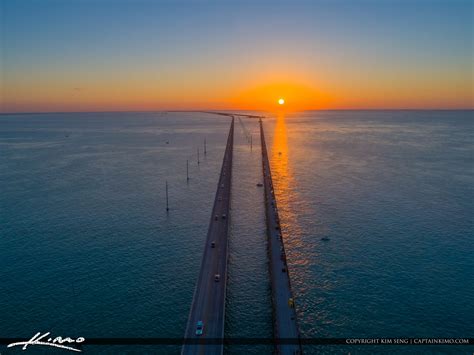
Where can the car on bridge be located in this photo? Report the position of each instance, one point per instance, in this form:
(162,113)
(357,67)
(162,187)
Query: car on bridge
(199,327)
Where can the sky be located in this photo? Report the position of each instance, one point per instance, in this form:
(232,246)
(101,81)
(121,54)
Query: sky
(113,55)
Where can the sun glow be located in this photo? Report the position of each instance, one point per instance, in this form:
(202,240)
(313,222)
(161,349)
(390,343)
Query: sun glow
(288,96)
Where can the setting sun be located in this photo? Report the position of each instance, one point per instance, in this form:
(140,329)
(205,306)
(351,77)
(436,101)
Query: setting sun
(281,101)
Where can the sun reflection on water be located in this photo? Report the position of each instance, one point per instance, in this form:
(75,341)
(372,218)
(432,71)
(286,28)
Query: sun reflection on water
(284,184)
(293,206)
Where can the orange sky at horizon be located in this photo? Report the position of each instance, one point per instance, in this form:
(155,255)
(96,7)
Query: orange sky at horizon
(329,87)
(298,96)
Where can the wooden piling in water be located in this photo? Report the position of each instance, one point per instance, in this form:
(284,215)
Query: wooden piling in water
(167,204)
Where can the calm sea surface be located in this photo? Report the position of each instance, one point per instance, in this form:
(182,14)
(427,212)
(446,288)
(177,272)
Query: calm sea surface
(87,248)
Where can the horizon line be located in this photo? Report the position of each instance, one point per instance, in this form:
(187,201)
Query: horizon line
(232,110)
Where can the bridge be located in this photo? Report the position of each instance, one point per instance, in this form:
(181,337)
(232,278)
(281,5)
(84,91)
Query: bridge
(285,325)
(205,328)
(206,317)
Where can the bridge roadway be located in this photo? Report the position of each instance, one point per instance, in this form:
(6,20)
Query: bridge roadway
(208,303)
(285,325)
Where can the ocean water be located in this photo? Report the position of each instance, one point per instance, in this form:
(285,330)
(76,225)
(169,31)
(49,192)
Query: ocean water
(88,249)
(393,192)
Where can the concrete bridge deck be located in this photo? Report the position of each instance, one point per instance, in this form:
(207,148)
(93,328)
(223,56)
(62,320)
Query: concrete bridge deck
(208,304)
(284,315)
